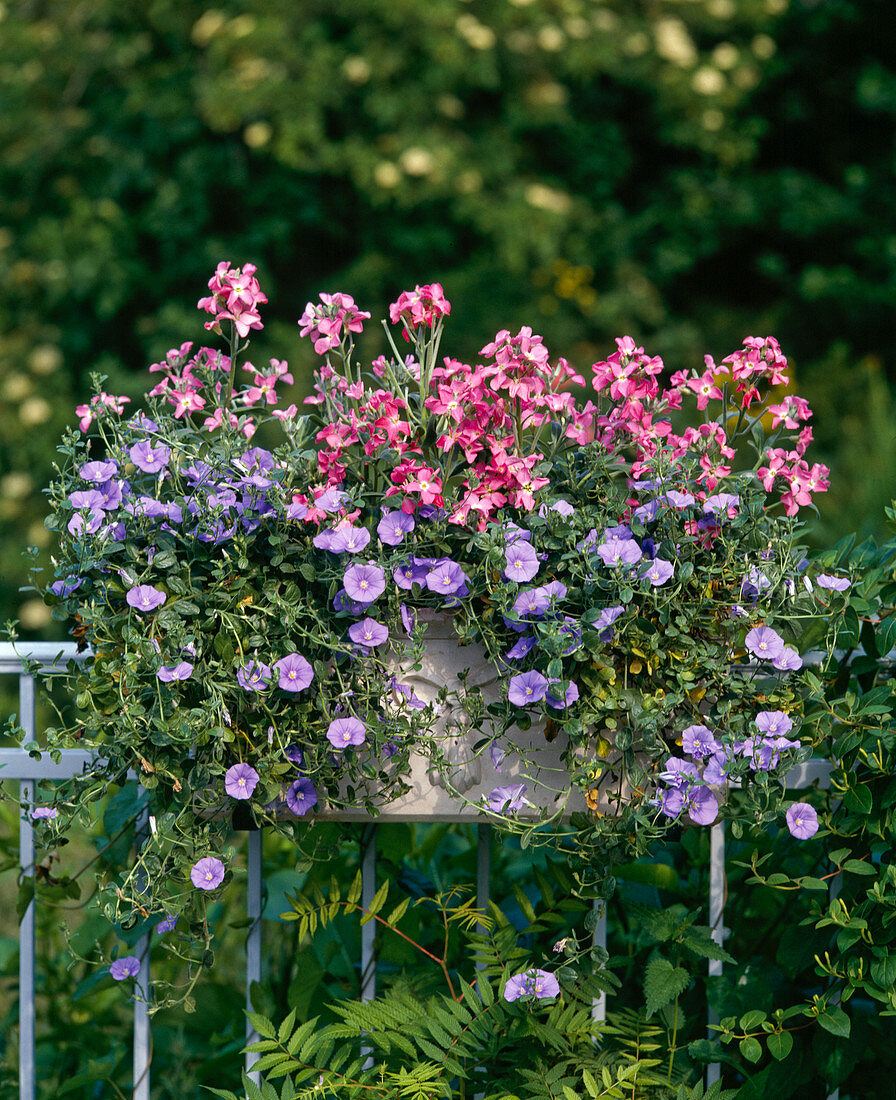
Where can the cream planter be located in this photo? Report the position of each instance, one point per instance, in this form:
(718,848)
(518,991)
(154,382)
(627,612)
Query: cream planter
(469,777)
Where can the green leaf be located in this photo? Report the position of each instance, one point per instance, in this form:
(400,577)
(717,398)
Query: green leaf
(399,911)
(662,983)
(835,1021)
(285,1029)
(858,867)
(262,1025)
(379,900)
(858,799)
(780,1044)
(883,971)
(752,1019)
(751,1049)
(354,891)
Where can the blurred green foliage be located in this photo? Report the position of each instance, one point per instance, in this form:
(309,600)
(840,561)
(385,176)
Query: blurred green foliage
(687,173)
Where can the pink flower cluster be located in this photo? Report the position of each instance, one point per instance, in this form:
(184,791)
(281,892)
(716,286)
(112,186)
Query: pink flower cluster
(99,404)
(189,380)
(638,418)
(418,308)
(235,297)
(326,323)
(482,411)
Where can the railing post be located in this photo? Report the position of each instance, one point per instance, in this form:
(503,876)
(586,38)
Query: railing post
(599,939)
(368,931)
(483,874)
(716,914)
(26,928)
(142,1034)
(253,939)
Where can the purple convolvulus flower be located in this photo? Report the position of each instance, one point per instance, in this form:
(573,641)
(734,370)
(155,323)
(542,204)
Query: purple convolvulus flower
(86,498)
(837,584)
(294,755)
(716,771)
(66,586)
(605,620)
(364,583)
(99,471)
(408,618)
(43,813)
(407,695)
(754,584)
(802,820)
(240,780)
(678,772)
(527,688)
(532,983)
(341,602)
(166,925)
(679,500)
(393,527)
(323,540)
(508,799)
(619,552)
(589,543)
(254,676)
(521,562)
(702,805)
(86,523)
(348,539)
(523,646)
(532,603)
(331,500)
(721,502)
(343,732)
(296,510)
(570,696)
(294,672)
(671,802)
(774,722)
(512,532)
(658,572)
(128,967)
(257,459)
(112,495)
(497,754)
(646,512)
(207,873)
(571,630)
(368,633)
(145,598)
(788,660)
(764,642)
(148,458)
(446,577)
(698,741)
(301,796)
(405,576)
(181,671)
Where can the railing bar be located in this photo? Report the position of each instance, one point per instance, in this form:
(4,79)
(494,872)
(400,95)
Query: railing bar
(26,928)
(253,939)
(483,874)
(599,939)
(716,913)
(142,1033)
(368,931)
(26,951)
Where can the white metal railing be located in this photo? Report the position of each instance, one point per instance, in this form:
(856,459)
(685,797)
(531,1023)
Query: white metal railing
(18,764)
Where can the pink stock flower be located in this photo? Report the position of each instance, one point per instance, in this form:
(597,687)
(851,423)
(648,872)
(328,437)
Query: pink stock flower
(97,406)
(422,306)
(235,297)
